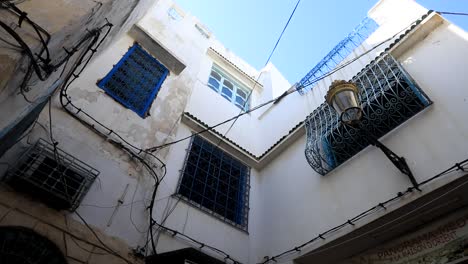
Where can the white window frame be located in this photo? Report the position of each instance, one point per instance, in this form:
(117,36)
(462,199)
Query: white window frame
(236,87)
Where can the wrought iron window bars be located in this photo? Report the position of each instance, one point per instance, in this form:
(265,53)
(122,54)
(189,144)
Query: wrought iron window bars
(135,80)
(216,182)
(52,175)
(388,96)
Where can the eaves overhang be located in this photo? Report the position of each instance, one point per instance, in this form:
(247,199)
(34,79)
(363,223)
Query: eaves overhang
(407,215)
(257,162)
(233,69)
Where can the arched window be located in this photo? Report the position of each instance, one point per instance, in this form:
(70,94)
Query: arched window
(19,245)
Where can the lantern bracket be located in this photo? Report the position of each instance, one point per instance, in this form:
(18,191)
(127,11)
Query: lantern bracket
(398,161)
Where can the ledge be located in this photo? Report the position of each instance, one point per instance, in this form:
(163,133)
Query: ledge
(233,70)
(257,162)
(158,50)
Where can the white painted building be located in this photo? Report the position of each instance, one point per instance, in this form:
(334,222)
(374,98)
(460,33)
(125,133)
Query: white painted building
(246,192)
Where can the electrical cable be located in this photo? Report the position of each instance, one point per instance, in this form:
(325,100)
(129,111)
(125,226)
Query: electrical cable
(452,13)
(130,152)
(131,210)
(93,35)
(282,32)
(100,241)
(388,223)
(287,93)
(460,166)
(258,78)
(164,218)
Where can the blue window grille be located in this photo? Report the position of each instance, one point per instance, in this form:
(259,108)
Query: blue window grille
(225,85)
(216,182)
(389,97)
(337,54)
(135,80)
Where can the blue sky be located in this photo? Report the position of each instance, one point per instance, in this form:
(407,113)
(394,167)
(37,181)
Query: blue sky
(250,28)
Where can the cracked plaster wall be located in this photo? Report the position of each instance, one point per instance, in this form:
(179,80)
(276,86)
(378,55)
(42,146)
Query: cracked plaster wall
(67,22)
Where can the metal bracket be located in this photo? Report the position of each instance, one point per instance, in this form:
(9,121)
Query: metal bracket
(398,161)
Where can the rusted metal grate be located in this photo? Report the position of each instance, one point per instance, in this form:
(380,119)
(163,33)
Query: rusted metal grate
(52,175)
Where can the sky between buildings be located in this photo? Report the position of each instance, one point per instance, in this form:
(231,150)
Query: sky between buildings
(250,28)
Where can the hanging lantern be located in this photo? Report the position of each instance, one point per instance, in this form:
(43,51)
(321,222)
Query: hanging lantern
(343,97)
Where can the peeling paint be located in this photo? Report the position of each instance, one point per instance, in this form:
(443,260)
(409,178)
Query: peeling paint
(90,96)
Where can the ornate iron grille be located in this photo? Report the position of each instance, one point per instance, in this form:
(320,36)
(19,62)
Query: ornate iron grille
(389,97)
(135,80)
(337,54)
(24,246)
(216,182)
(53,176)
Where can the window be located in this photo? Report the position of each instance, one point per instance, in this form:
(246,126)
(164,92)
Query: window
(135,80)
(174,14)
(52,176)
(389,97)
(216,182)
(228,88)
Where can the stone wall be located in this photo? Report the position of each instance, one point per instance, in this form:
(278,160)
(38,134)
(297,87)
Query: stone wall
(77,243)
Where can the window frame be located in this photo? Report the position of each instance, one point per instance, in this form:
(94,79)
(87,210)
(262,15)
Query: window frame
(155,90)
(390,98)
(245,206)
(236,86)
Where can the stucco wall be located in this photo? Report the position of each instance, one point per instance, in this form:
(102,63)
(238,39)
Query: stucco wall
(431,141)
(66,21)
(200,225)
(289,202)
(75,241)
(117,169)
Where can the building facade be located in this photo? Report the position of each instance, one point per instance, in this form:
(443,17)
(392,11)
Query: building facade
(157,150)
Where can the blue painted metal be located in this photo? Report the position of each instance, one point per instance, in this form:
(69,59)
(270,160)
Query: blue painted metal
(388,96)
(215,182)
(337,54)
(135,80)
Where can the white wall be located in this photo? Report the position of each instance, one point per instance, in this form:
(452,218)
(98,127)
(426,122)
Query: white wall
(302,204)
(198,224)
(117,169)
(289,202)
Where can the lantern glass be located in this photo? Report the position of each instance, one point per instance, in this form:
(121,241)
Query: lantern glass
(343,97)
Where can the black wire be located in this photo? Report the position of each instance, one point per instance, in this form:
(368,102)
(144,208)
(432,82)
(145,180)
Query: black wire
(282,32)
(209,128)
(458,166)
(149,168)
(258,78)
(47,67)
(452,13)
(65,101)
(25,48)
(100,241)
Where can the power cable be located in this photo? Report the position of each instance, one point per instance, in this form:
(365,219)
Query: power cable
(130,152)
(92,35)
(452,13)
(460,166)
(258,78)
(282,32)
(100,241)
(275,100)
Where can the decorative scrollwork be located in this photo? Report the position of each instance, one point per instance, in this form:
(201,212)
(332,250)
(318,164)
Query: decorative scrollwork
(389,97)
